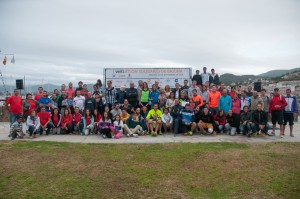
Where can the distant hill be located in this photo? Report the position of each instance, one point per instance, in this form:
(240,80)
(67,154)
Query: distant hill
(277,73)
(228,78)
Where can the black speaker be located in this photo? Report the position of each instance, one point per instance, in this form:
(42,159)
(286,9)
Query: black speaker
(19,83)
(257,86)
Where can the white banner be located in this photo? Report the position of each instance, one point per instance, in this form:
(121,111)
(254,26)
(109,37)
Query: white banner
(165,76)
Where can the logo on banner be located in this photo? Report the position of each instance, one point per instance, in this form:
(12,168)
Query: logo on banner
(176,80)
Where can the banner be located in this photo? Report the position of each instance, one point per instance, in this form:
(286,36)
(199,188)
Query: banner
(165,76)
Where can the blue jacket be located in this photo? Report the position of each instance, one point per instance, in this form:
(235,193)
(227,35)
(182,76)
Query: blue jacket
(45,101)
(292,104)
(225,103)
(188,116)
(154,95)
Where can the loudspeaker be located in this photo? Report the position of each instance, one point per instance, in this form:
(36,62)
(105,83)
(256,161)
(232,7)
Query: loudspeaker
(257,86)
(19,83)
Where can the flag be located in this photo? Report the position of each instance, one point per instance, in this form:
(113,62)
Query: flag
(13,60)
(4,60)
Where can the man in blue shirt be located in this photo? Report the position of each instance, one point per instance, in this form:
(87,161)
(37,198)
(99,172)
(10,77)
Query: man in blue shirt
(45,101)
(225,102)
(187,118)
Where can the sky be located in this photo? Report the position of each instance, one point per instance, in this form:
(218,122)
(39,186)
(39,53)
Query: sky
(58,41)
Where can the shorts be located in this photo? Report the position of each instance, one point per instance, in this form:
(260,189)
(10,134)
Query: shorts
(207,125)
(277,116)
(186,128)
(288,117)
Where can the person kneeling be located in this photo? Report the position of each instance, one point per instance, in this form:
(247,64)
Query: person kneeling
(167,120)
(16,129)
(246,120)
(260,119)
(187,117)
(33,124)
(88,123)
(206,121)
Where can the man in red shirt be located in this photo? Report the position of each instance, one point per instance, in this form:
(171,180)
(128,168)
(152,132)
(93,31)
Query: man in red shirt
(45,120)
(70,90)
(39,95)
(14,103)
(277,104)
(213,100)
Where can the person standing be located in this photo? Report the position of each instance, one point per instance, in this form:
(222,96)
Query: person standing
(289,110)
(70,91)
(225,102)
(266,102)
(205,76)
(213,78)
(79,101)
(39,95)
(90,103)
(110,94)
(132,95)
(277,104)
(255,100)
(14,103)
(213,100)
(198,78)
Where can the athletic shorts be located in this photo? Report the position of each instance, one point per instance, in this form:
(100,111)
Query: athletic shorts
(288,118)
(207,125)
(277,116)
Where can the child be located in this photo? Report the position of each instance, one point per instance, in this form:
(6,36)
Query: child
(56,119)
(67,122)
(167,120)
(16,129)
(97,118)
(77,120)
(153,125)
(105,126)
(88,123)
(118,125)
(33,123)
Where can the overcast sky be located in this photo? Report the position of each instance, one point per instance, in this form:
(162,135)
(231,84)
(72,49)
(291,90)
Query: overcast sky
(58,41)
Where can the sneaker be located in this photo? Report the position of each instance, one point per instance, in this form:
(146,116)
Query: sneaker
(104,136)
(273,133)
(190,133)
(127,135)
(282,136)
(135,135)
(153,133)
(263,134)
(159,133)
(254,134)
(148,132)
(292,135)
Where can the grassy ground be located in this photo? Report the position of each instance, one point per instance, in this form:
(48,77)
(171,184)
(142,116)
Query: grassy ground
(212,170)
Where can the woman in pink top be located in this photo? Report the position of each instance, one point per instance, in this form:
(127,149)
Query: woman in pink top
(236,110)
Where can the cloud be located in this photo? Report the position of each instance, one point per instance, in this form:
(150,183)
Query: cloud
(61,41)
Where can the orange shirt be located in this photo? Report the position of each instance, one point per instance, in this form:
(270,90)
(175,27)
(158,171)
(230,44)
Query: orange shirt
(213,99)
(197,100)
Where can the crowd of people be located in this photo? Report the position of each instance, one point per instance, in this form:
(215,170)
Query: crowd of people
(206,106)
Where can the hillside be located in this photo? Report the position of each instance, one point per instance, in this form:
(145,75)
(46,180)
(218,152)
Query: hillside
(228,78)
(277,73)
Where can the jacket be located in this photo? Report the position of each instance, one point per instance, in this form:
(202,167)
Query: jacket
(292,104)
(259,117)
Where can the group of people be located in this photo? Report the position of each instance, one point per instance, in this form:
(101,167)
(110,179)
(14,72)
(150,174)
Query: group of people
(206,106)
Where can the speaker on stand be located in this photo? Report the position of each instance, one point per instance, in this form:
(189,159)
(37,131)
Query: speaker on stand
(257,86)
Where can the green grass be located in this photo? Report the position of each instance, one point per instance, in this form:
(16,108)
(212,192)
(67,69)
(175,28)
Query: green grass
(182,170)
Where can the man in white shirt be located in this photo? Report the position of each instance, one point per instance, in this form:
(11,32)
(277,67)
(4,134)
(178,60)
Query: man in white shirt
(205,76)
(79,101)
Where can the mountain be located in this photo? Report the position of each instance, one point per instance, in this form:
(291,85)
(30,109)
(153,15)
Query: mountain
(228,78)
(277,73)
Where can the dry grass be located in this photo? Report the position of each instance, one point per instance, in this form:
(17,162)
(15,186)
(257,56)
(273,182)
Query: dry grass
(212,170)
